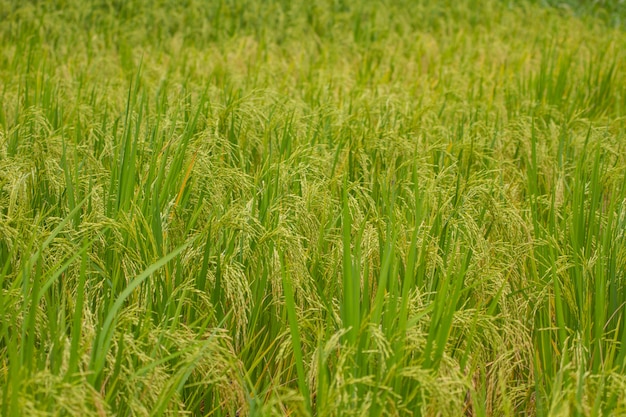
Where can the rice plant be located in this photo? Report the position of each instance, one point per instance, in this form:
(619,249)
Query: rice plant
(259,208)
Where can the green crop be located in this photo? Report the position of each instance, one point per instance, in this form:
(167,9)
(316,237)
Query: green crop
(267,207)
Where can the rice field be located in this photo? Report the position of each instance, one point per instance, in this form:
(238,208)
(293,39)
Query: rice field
(294,208)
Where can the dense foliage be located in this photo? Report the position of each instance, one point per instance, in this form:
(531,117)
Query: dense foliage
(326,208)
